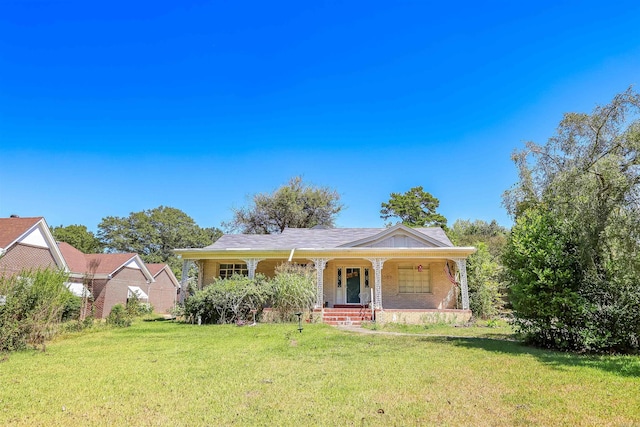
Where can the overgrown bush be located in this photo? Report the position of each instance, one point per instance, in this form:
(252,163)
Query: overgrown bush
(229,300)
(119,317)
(484,279)
(136,308)
(72,309)
(32,304)
(294,290)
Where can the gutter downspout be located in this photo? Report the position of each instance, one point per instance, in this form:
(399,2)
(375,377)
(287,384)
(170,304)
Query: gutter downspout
(291,254)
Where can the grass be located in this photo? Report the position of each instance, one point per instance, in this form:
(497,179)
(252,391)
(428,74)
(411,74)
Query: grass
(166,373)
(495,329)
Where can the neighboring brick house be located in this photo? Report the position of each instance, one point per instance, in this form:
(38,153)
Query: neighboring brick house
(163,292)
(110,278)
(27,243)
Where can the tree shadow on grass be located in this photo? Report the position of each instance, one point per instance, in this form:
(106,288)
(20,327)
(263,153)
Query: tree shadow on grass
(623,365)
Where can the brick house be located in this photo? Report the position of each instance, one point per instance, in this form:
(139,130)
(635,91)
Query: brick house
(110,278)
(163,292)
(401,274)
(27,243)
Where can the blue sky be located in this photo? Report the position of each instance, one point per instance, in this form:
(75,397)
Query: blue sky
(112,107)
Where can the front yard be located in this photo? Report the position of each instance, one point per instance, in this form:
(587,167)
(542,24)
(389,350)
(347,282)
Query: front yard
(164,373)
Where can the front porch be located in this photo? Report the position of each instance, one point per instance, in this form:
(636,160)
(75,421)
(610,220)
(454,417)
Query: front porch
(355,315)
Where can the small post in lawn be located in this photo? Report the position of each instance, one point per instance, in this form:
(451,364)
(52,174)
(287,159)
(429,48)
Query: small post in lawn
(299,314)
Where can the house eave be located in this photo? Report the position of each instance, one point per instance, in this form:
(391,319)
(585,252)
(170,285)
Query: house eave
(331,253)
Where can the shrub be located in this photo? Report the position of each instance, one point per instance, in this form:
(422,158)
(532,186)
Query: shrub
(229,300)
(136,308)
(72,307)
(33,303)
(119,317)
(294,290)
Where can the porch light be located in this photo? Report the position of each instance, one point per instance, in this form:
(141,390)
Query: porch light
(419,268)
(299,314)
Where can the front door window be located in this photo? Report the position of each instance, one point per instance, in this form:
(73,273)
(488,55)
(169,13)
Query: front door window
(353,285)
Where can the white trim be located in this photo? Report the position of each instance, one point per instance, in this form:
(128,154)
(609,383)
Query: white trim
(141,265)
(78,289)
(138,292)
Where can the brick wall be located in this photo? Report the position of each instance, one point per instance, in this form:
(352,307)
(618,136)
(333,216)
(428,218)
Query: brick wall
(162,293)
(422,317)
(20,257)
(442,295)
(115,290)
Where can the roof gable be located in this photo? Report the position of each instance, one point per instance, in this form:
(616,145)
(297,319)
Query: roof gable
(31,232)
(159,269)
(13,230)
(401,236)
(103,264)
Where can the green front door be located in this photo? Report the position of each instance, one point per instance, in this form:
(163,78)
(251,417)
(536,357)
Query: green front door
(353,285)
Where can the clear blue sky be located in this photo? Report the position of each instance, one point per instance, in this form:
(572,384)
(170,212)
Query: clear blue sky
(112,107)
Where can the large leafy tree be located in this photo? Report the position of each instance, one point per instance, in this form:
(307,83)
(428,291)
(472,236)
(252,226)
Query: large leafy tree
(415,208)
(154,233)
(295,205)
(79,237)
(580,194)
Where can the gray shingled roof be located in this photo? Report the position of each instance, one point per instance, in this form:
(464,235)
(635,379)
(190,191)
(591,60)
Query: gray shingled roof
(312,238)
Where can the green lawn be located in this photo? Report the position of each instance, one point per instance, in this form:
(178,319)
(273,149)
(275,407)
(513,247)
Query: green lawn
(164,373)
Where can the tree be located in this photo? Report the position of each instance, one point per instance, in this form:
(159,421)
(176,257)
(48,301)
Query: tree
(295,205)
(584,184)
(484,268)
(544,272)
(79,237)
(415,208)
(154,233)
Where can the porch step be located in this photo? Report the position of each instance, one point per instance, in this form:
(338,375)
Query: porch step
(346,316)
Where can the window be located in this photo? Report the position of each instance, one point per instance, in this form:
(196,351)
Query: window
(414,279)
(228,270)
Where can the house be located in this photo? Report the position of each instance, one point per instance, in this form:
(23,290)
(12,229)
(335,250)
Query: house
(109,278)
(404,274)
(27,243)
(163,292)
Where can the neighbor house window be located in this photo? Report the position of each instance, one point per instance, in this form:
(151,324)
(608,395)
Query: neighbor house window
(414,279)
(228,270)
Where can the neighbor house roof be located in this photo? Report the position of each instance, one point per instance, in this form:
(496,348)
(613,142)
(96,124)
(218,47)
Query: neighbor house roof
(31,231)
(11,229)
(100,264)
(156,269)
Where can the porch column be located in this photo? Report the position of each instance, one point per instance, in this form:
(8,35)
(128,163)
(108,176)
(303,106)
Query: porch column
(184,280)
(320,264)
(377,268)
(252,264)
(462,269)
(200,267)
